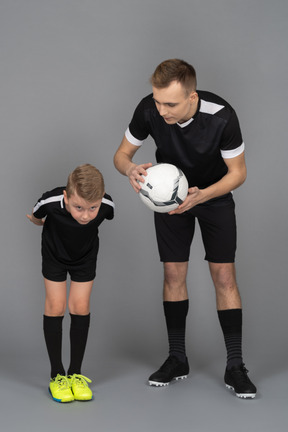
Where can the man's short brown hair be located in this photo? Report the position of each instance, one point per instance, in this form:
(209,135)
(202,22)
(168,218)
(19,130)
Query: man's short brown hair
(174,70)
(87,182)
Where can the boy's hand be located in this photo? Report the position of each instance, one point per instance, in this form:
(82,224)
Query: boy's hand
(36,221)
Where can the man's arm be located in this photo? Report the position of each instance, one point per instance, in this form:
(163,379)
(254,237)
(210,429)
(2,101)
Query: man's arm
(123,161)
(234,178)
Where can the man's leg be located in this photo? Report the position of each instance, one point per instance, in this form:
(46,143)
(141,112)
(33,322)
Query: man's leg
(230,316)
(176,305)
(175,309)
(229,310)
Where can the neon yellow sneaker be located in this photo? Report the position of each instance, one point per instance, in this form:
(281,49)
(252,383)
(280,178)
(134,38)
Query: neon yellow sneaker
(60,389)
(80,388)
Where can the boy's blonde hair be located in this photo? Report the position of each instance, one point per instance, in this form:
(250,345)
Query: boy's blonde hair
(87,182)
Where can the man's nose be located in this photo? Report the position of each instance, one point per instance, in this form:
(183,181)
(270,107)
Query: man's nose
(162,110)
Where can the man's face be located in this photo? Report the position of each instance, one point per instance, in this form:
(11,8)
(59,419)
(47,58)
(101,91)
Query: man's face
(173,103)
(81,210)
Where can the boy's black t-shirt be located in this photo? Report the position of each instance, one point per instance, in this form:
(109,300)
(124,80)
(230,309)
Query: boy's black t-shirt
(63,238)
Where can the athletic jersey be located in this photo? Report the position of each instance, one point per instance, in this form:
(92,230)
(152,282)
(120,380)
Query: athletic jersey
(63,238)
(198,146)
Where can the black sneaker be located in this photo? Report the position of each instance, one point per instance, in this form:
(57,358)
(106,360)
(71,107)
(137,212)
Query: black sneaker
(237,379)
(172,369)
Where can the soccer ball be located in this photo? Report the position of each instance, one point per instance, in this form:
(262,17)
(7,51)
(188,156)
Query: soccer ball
(164,189)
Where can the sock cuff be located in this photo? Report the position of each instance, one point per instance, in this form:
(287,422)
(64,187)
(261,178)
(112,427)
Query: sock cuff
(51,323)
(230,320)
(80,321)
(175,313)
(176,306)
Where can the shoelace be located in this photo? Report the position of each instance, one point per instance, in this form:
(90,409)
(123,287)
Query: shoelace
(81,380)
(62,381)
(241,375)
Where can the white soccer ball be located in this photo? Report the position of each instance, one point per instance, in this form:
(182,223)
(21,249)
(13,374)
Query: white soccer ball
(164,189)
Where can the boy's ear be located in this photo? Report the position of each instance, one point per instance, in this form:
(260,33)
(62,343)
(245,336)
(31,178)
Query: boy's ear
(65,196)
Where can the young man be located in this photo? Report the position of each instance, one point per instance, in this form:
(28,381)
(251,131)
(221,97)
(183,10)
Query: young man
(199,133)
(70,244)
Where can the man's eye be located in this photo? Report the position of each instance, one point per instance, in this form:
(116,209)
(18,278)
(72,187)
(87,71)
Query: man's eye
(171,105)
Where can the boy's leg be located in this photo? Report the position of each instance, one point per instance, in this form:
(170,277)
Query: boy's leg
(52,327)
(78,338)
(55,304)
(79,307)
(55,301)
(79,297)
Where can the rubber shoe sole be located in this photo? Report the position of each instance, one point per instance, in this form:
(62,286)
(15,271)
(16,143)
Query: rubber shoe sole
(171,370)
(163,384)
(241,395)
(59,400)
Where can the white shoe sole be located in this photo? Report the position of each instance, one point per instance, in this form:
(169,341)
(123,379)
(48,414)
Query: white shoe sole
(163,384)
(242,395)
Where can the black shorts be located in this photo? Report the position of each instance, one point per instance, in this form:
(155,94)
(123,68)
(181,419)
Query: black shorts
(56,271)
(218,229)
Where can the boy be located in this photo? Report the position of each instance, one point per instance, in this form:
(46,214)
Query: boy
(70,217)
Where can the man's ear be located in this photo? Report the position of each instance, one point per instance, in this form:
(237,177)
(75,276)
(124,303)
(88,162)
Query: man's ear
(193,96)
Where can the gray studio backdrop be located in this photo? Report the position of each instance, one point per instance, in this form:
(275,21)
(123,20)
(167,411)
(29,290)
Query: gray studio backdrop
(72,73)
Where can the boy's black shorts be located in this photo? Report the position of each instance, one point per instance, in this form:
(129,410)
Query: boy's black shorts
(56,271)
(218,229)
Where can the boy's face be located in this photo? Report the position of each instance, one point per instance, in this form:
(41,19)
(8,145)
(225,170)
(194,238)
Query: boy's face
(81,210)
(173,104)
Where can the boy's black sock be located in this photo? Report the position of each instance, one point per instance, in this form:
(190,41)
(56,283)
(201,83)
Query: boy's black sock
(52,327)
(175,314)
(78,338)
(231,324)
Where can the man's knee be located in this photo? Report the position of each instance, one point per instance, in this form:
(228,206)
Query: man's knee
(175,273)
(223,275)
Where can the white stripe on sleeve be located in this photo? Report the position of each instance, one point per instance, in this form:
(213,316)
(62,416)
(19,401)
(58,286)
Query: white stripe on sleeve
(47,201)
(230,154)
(132,139)
(108,202)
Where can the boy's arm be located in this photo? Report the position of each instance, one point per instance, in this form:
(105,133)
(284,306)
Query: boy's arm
(36,221)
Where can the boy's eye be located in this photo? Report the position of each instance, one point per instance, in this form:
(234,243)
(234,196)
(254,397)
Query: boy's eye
(172,105)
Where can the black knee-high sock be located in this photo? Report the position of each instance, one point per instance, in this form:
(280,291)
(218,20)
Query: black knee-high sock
(175,314)
(52,327)
(231,324)
(78,339)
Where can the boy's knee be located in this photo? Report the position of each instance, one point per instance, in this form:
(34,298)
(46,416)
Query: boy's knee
(54,309)
(79,309)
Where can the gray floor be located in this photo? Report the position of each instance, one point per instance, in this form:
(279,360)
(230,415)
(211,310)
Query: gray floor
(124,402)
